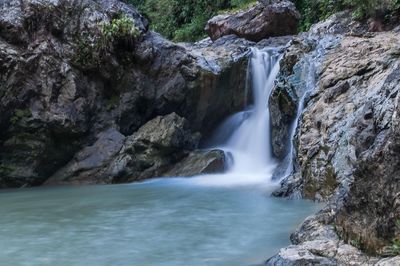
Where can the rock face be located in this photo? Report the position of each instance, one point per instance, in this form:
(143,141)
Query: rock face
(348,151)
(149,152)
(64,92)
(373,217)
(261,21)
(353,108)
(284,98)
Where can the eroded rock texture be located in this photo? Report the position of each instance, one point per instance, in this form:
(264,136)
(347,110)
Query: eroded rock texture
(348,152)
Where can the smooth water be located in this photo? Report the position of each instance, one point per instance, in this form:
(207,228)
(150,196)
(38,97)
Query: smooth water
(163,222)
(224,219)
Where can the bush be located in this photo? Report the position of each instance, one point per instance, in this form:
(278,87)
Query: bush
(119,29)
(394,249)
(372,8)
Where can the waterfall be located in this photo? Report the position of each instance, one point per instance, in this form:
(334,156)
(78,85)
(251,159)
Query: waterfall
(246,136)
(250,144)
(308,76)
(309,66)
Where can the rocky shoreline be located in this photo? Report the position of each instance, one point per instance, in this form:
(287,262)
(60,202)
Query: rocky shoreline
(345,145)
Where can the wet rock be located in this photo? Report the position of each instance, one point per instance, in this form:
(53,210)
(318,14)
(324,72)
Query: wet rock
(347,150)
(371,217)
(291,187)
(285,95)
(339,121)
(283,109)
(90,164)
(259,22)
(152,150)
(309,253)
(199,162)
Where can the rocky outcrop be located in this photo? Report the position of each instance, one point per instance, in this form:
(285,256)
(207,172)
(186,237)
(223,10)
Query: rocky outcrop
(265,19)
(149,152)
(284,100)
(347,152)
(316,242)
(65,88)
(373,218)
(354,106)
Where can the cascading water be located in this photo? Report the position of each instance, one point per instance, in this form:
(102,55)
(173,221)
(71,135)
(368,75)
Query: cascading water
(308,77)
(245,137)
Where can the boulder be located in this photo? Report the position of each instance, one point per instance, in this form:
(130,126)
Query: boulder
(261,21)
(89,166)
(199,162)
(114,158)
(150,152)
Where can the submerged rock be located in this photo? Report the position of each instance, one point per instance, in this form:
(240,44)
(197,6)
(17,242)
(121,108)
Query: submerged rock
(261,21)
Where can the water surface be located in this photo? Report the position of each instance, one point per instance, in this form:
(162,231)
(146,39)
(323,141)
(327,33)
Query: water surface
(162,222)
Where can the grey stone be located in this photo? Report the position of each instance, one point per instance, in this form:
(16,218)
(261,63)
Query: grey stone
(259,22)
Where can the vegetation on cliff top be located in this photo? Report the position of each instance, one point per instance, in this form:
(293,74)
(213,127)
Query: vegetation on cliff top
(313,11)
(184,20)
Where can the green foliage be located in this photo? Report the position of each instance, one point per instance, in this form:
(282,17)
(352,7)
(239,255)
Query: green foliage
(91,46)
(183,20)
(87,54)
(372,8)
(394,249)
(19,114)
(356,242)
(122,28)
(313,11)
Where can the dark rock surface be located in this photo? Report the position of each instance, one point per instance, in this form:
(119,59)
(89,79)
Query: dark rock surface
(152,150)
(149,152)
(60,92)
(261,21)
(284,99)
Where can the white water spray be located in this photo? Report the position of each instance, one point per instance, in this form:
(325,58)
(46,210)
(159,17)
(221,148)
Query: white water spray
(245,137)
